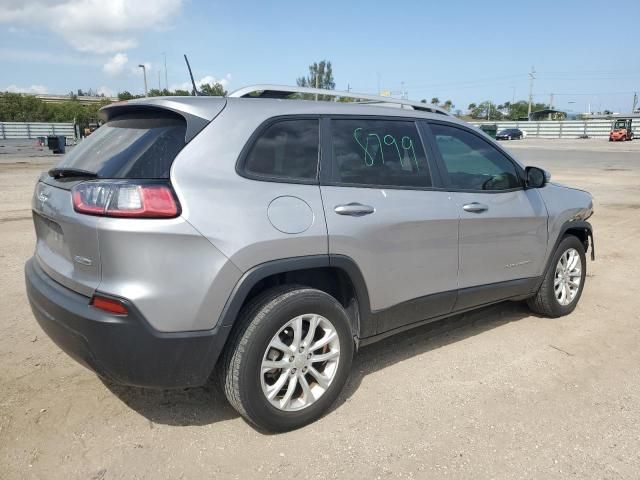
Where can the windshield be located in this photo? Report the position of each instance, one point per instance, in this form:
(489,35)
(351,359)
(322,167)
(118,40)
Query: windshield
(130,146)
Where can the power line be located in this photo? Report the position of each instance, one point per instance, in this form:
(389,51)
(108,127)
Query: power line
(583,93)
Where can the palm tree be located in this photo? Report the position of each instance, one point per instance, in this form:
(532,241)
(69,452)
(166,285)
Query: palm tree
(448,105)
(435,101)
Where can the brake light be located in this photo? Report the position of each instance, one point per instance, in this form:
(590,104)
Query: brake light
(125,199)
(109,305)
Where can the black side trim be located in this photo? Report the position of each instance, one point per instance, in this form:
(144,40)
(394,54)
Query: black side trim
(414,310)
(494,292)
(472,298)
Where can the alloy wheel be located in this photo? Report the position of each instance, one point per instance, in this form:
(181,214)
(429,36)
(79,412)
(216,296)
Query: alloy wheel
(566,283)
(300,362)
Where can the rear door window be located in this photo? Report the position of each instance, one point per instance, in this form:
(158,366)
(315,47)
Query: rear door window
(286,150)
(371,152)
(131,146)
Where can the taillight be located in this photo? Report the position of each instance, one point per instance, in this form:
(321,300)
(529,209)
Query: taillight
(125,199)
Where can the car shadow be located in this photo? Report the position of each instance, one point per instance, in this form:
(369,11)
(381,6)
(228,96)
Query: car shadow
(434,335)
(177,407)
(206,405)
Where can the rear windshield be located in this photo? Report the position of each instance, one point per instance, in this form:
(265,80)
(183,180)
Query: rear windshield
(131,146)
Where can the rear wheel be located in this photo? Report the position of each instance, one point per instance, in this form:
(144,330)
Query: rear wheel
(563,283)
(290,358)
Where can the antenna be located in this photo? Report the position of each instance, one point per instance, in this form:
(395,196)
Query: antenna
(195,91)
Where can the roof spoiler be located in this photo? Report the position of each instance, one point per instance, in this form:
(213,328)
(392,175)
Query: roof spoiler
(195,119)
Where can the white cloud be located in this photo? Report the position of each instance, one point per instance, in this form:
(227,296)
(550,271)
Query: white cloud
(106,91)
(224,81)
(115,65)
(98,26)
(37,89)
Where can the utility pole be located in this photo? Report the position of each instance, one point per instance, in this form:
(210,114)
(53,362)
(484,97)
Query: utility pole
(166,82)
(532,77)
(144,72)
(159,86)
(635,102)
(551,101)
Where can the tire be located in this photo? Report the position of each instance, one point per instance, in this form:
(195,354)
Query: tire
(243,378)
(545,302)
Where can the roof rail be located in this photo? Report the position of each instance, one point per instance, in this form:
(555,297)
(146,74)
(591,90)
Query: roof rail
(283,91)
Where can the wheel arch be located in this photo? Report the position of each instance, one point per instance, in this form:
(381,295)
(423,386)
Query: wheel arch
(578,228)
(336,275)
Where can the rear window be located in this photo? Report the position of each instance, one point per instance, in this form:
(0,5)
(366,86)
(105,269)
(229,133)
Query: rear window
(131,146)
(287,150)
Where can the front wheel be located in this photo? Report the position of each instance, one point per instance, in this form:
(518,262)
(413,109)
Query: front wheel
(289,358)
(563,283)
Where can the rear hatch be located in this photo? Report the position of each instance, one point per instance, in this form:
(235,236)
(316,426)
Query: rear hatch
(138,142)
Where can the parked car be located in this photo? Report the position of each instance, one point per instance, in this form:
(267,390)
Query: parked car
(264,240)
(510,134)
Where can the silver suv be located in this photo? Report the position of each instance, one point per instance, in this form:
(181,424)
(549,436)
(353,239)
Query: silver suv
(264,239)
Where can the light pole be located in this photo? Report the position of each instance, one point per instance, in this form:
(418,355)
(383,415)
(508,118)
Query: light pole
(144,72)
(166,81)
(532,77)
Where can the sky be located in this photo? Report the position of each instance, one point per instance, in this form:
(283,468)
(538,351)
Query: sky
(465,51)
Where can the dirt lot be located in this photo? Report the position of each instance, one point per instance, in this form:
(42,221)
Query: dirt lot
(496,394)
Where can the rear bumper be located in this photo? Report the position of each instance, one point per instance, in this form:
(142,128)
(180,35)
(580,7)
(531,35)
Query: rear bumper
(122,349)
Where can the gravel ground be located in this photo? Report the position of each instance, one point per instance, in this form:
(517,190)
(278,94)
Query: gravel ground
(494,394)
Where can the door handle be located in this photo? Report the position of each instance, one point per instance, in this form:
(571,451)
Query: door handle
(354,209)
(475,207)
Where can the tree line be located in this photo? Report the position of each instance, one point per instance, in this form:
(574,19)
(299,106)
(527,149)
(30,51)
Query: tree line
(488,110)
(206,90)
(17,107)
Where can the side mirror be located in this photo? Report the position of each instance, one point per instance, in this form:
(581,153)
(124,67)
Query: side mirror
(536,177)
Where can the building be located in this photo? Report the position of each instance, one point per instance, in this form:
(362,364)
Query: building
(548,114)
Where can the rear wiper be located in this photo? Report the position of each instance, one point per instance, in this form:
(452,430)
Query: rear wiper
(62,172)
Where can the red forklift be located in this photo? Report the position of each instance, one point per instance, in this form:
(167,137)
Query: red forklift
(621,130)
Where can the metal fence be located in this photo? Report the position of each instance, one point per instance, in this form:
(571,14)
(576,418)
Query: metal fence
(17,130)
(547,129)
(564,129)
